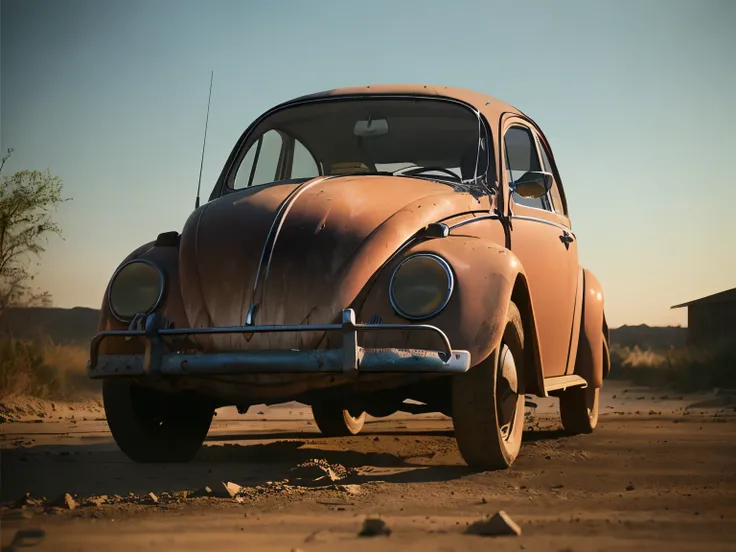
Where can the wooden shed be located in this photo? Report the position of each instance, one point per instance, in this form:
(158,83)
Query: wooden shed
(711,320)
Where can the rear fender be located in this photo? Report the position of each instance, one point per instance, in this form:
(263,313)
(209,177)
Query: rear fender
(590,363)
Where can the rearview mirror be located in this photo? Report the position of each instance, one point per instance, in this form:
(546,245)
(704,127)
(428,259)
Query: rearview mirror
(533,184)
(371,127)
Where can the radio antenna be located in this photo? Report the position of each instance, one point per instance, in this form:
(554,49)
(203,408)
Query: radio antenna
(204,142)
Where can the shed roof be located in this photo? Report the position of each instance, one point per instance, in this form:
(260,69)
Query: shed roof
(720,297)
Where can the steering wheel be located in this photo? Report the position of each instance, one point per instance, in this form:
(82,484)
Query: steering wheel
(415,171)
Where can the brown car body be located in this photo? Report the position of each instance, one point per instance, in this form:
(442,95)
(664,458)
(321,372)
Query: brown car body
(302,252)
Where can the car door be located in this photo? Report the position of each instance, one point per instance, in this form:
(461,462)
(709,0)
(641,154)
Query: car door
(543,241)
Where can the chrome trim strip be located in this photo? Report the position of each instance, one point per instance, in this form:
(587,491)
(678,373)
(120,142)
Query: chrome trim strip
(162,288)
(292,200)
(544,221)
(277,219)
(450,285)
(270,241)
(474,219)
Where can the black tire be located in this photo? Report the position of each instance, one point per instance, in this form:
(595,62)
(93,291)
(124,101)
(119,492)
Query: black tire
(579,407)
(488,402)
(334,421)
(152,426)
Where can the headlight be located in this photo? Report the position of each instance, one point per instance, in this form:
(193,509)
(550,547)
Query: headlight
(136,287)
(421,286)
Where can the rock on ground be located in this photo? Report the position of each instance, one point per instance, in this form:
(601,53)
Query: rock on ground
(374,526)
(497,525)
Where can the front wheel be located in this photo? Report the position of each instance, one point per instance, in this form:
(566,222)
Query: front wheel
(152,426)
(488,402)
(334,421)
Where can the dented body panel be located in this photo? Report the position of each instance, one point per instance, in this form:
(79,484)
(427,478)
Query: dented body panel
(293,258)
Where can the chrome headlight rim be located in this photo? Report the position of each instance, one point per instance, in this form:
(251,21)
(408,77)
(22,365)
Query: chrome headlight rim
(450,286)
(161,286)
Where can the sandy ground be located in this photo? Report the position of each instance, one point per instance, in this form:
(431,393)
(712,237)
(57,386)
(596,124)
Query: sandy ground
(659,473)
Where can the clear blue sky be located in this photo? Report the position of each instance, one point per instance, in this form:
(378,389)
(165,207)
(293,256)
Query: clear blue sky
(636,97)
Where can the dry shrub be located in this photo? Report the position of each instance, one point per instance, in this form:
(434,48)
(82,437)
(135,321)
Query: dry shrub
(684,368)
(43,370)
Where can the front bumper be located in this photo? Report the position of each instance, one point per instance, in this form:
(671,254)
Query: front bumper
(349,360)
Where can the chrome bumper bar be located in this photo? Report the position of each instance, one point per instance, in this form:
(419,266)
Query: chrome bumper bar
(349,360)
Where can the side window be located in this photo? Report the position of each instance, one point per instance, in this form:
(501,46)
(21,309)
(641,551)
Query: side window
(261,162)
(303,165)
(521,157)
(554,192)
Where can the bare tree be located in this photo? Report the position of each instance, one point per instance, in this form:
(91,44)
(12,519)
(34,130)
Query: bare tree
(28,200)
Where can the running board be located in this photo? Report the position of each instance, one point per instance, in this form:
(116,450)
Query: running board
(560,383)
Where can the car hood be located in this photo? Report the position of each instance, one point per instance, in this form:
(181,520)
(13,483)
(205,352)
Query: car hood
(302,252)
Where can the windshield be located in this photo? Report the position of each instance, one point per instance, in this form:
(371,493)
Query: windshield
(425,138)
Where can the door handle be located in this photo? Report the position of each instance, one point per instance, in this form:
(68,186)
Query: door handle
(567,238)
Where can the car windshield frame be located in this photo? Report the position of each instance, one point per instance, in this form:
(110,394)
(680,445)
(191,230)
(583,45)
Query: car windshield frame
(481,140)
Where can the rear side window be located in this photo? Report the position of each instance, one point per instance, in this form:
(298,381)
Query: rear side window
(303,165)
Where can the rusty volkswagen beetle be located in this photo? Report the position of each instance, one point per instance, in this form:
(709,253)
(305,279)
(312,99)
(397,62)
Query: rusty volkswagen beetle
(362,247)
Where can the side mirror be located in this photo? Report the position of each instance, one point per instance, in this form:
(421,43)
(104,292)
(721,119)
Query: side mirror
(533,184)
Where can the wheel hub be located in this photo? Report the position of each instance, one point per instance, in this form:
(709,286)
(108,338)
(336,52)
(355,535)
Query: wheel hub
(507,389)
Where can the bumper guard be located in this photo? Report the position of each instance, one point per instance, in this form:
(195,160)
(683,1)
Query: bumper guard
(350,360)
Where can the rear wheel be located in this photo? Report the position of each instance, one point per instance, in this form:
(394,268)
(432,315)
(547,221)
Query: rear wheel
(152,426)
(579,409)
(334,421)
(579,406)
(488,402)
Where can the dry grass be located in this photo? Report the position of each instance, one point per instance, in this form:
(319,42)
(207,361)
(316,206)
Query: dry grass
(44,370)
(684,369)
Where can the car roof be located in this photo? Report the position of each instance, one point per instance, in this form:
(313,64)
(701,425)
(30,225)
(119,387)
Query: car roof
(491,107)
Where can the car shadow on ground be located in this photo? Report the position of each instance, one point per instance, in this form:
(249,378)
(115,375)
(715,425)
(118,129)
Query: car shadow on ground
(93,469)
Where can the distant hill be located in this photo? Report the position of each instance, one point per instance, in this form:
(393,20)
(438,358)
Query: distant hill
(77,326)
(649,337)
(74,326)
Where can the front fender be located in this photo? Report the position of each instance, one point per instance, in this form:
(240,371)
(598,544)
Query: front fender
(592,359)
(164,252)
(474,319)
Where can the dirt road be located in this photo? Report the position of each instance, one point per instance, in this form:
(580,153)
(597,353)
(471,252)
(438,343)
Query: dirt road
(658,474)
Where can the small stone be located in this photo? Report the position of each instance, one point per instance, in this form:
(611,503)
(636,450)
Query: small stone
(374,526)
(98,500)
(66,502)
(351,489)
(630,487)
(25,500)
(322,535)
(151,499)
(483,500)
(232,489)
(203,491)
(495,526)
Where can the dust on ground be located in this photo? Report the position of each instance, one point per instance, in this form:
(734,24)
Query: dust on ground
(658,474)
